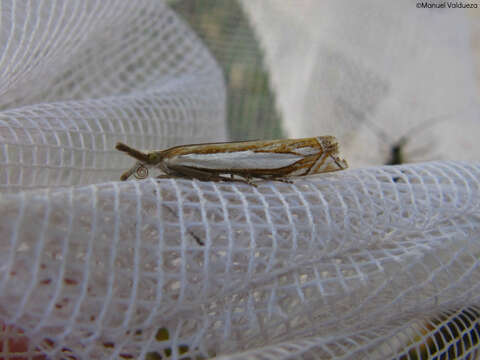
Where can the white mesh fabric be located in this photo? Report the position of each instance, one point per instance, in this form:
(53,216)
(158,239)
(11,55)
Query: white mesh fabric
(79,76)
(377,263)
(343,265)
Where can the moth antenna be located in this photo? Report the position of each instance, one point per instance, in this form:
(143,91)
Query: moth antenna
(424,125)
(133,152)
(362,118)
(439,119)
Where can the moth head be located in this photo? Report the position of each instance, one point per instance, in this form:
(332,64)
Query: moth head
(144,162)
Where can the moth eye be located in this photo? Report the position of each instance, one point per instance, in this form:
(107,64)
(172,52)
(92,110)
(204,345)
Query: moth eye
(141,172)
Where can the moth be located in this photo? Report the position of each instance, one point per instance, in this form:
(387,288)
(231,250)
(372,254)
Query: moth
(240,161)
(397,153)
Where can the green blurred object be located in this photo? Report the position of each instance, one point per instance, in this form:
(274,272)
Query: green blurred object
(224,28)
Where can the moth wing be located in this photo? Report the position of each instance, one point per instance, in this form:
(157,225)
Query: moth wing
(238,160)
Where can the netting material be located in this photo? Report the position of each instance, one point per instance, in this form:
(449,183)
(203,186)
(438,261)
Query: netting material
(93,85)
(375,263)
(352,252)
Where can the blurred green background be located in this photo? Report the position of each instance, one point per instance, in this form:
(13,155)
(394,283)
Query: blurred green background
(224,28)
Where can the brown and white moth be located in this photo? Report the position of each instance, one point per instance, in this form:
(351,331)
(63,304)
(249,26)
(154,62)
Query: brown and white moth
(240,161)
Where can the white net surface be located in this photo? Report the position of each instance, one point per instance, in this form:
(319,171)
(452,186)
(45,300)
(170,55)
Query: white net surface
(79,76)
(350,264)
(374,263)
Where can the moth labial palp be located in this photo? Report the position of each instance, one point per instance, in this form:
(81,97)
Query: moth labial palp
(240,161)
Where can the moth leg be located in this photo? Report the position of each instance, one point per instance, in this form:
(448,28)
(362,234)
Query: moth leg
(245,180)
(286,181)
(273,178)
